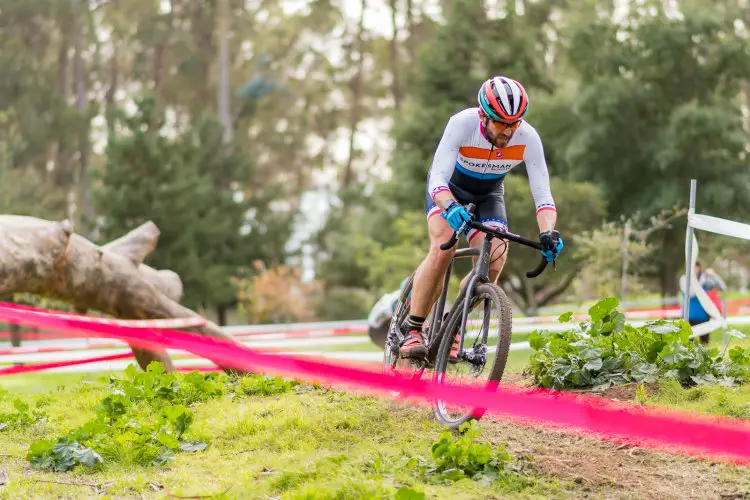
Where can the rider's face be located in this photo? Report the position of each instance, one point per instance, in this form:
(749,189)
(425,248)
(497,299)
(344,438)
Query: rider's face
(500,133)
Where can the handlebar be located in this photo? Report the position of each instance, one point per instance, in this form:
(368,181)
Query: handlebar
(539,269)
(500,234)
(449,244)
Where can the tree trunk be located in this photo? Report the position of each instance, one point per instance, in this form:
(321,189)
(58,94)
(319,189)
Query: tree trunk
(667,268)
(746,86)
(44,257)
(112,90)
(204,52)
(356,88)
(221,315)
(393,49)
(62,65)
(159,62)
(530,296)
(159,55)
(87,216)
(515,297)
(222,28)
(114,74)
(410,31)
(57,151)
(15,335)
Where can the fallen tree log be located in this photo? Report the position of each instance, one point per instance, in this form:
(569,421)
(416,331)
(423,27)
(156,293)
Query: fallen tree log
(135,246)
(47,258)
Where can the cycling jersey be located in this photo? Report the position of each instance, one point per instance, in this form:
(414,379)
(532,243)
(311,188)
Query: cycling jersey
(467,165)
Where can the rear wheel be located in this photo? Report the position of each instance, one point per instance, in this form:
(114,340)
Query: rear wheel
(393,339)
(391,359)
(485,350)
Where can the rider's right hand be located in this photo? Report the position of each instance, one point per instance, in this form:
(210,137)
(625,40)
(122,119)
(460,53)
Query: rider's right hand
(456,215)
(552,245)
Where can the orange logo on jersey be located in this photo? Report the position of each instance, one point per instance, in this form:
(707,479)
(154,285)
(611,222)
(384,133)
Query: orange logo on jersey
(499,154)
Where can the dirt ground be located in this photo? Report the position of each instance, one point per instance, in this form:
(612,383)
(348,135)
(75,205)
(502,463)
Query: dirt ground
(600,469)
(588,467)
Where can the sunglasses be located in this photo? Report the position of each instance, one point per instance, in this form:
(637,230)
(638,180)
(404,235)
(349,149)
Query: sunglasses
(500,124)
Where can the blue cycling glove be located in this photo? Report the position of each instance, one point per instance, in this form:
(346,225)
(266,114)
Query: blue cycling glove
(456,215)
(552,245)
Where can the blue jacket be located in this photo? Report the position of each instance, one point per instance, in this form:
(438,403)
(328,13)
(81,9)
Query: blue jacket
(708,283)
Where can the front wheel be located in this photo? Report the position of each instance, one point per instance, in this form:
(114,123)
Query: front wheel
(482,360)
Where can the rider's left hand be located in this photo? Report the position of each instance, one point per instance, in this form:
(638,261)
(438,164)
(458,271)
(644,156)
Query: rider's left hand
(457,217)
(552,244)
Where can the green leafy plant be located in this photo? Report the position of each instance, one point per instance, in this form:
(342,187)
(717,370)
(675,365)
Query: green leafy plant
(607,351)
(23,416)
(462,457)
(142,421)
(457,458)
(406,493)
(265,386)
(61,455)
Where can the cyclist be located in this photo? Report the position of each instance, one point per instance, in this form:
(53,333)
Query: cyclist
(479,146)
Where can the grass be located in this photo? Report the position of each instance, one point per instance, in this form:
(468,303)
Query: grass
(715,400)
(36,383)
(306,443)
(310,443)
(314,443)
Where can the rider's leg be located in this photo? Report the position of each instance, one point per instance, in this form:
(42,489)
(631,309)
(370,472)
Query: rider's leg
(498,253)
(428,284)
(498,256)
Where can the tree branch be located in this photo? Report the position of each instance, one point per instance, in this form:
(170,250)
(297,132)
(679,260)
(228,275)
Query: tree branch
(528,293)
(515,294)
(136,244)
(547,294)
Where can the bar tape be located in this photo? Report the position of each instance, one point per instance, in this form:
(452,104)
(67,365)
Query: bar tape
(670,430)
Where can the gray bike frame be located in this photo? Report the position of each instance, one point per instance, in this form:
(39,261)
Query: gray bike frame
(479,273)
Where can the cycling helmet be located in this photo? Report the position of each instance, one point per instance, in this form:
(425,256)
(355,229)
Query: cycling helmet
(503,99)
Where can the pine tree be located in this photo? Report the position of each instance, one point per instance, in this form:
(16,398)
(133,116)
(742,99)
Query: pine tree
(193,187)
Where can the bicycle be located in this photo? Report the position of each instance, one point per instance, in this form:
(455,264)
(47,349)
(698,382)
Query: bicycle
(440,342)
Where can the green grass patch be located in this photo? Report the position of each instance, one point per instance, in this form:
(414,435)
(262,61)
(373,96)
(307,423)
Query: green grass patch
(256,437)
(711,399)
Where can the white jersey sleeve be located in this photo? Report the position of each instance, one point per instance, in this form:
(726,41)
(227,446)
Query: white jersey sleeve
(456,133)
(536,168)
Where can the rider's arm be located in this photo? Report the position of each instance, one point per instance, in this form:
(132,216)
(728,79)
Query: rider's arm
(536,168)
(546,220)
(443,198)
(446,154)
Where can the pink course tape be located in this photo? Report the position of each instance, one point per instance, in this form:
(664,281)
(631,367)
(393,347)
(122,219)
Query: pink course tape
(669,430)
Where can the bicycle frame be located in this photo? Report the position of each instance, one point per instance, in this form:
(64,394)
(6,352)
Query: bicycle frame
(437,325)
(479,273)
